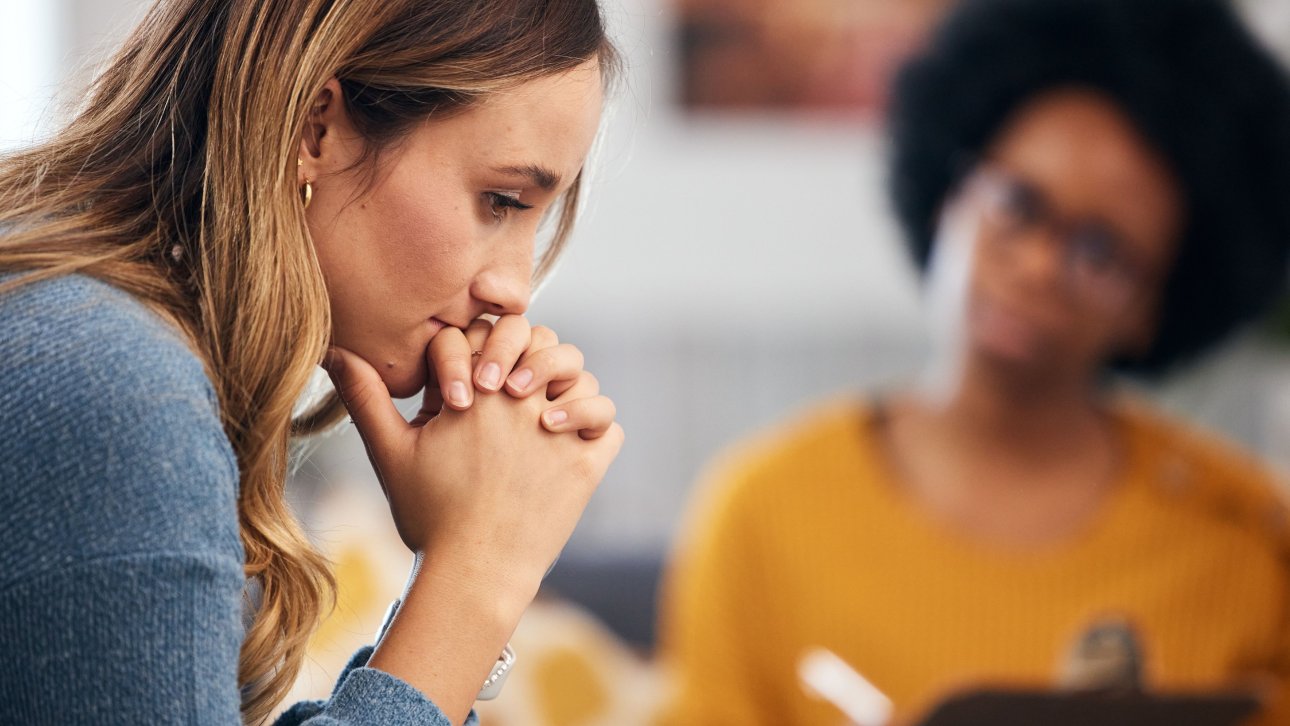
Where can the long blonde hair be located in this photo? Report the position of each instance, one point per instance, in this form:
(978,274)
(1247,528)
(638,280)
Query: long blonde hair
(177,183)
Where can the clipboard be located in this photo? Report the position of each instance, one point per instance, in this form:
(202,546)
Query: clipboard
(1055,708)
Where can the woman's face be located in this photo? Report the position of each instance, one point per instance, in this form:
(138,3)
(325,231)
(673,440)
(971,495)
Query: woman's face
(1072,222)
(444,230)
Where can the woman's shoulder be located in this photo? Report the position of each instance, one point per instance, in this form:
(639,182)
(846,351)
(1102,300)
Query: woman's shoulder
(1195,451)
(111,441)
(74,336)
(78,322)
(1211,477)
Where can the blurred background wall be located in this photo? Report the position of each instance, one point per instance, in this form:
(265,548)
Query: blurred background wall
(730,269)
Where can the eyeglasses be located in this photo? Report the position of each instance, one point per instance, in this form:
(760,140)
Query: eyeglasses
(1098,266)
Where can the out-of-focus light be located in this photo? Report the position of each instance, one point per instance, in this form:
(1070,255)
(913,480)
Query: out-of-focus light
(826,676)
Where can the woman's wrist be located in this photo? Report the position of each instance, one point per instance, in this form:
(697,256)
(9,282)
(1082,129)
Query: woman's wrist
(453,622)
(478,563)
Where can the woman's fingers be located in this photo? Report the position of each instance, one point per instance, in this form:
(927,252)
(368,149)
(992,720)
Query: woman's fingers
(543,338)
(509,339)
(449,358)
(581,409)
(556,371)
(488,355)
(477,334)
(590,417)
(561,363)
(367,399)
(559,387)
(433,397)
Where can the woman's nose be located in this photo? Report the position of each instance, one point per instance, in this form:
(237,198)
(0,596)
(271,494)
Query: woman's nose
(505,288)
(1038,258)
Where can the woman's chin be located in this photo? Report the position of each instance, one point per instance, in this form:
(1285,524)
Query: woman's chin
(403,384)
(403,381)
(1024,363)
(1008,347)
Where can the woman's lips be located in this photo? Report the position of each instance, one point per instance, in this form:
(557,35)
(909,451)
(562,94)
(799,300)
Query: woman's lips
(1008,333)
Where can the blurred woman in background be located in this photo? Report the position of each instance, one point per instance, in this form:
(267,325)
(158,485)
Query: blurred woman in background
(252,189)
(1088,185)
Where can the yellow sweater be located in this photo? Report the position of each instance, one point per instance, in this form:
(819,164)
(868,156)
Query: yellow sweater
(803,541)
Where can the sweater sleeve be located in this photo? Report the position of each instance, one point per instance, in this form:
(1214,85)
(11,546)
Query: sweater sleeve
(367,695)
(121,566)
(153,639)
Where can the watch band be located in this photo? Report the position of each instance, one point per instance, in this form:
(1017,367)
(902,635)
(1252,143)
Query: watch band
(493,686)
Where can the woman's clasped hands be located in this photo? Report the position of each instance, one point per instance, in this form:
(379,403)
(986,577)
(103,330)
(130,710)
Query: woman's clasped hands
(511,440)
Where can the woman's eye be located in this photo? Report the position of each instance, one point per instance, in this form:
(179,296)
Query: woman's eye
(1094,248)
(499,204)
(1021,204)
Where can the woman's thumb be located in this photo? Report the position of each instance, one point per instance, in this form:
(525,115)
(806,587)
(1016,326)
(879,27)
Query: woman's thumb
(366,398)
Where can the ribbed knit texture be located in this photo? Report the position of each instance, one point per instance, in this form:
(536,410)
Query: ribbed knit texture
(803,539)
(121,569)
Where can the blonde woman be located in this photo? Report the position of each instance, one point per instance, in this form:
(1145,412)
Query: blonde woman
(253,189)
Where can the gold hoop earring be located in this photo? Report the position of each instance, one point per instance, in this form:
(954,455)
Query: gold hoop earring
(306,191)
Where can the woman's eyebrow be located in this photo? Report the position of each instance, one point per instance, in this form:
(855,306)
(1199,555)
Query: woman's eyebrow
(538,174)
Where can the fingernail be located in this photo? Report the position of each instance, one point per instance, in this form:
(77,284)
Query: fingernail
(521,379)
(491,376)
(556,417)
(458,394)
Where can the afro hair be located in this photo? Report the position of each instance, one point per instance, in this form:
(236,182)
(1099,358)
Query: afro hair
(1211,100)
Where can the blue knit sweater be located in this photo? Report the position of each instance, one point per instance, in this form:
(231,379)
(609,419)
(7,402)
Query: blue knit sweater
(120,564)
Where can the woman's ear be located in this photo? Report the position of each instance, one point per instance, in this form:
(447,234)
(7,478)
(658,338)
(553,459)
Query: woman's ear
(322,146)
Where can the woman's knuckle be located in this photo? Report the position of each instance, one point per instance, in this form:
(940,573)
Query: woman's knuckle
(545,334)
(512,321)
(575,355)
(543,363)
(446,352)
(454,359)
(615,436)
